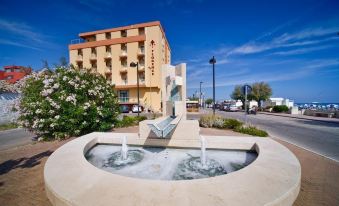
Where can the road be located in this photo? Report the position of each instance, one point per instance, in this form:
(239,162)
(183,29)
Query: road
(14,137)
(320,137)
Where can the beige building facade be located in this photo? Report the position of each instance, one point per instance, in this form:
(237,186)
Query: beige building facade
(109,52)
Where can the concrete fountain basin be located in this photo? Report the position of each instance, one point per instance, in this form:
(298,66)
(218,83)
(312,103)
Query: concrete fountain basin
(272,179)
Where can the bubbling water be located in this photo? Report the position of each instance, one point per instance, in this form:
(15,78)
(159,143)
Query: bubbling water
(124,148)
(117,161)
(163,163)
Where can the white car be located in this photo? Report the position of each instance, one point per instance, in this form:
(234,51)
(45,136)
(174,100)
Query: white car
(233,108)
(135,109)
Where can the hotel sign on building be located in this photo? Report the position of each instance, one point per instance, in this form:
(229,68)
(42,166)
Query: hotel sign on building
(110,52)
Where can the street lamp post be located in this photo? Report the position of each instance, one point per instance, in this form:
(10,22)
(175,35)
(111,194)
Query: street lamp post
(213,61)
(200,100)
(137,66)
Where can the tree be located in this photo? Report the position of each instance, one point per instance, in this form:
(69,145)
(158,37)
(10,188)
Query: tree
(261,91)
(63,61)
(193,98)
(209,101)
(237,94)
(45,64)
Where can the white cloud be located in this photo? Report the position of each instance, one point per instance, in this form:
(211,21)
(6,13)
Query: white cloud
(302,50)
(308,36)
(23,35)
(13,43)
(21,29)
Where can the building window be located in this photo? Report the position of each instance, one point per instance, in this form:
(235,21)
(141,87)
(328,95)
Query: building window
(9,77)
(141,31)
(108,35)
(80,52)
(8,70)
(123,62)
(123,47)
(93,50)
(123,33)
(123,95)
(79,65)
(108,49)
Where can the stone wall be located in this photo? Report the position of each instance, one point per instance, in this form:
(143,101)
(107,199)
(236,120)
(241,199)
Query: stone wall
(7,101)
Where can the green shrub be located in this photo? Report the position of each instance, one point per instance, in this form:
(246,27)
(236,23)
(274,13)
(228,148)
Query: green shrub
(280,108)
(66,103)
(251,131)
(211,121)
(127,121)
(8,126)
(232,123)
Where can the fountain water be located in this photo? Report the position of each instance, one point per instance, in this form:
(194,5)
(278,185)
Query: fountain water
(124,148)
(203,151)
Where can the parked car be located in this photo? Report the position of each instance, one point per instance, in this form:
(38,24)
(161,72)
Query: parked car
(233,108)
(124,109)
(135,109)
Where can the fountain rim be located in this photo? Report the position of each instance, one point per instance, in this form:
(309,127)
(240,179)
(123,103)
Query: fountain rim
(77,148)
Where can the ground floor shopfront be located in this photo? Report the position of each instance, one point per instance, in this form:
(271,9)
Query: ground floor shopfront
(149,97)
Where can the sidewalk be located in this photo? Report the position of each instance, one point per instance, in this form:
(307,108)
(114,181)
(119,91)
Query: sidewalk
(299,116)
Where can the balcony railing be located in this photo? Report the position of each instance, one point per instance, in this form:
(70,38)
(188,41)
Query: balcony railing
(141,81)
(108,55)
(93,69)
(141,51)
(93,56)
(123,99)
(124,82)
(79,58)
(108,70)
(77,41)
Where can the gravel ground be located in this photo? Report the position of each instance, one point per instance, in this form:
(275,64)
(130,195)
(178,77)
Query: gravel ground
(21,173)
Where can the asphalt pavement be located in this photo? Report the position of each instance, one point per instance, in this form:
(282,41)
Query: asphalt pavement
(321,137)
(15,137)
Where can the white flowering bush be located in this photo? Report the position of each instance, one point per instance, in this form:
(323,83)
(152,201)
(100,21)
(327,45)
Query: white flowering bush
(66,103)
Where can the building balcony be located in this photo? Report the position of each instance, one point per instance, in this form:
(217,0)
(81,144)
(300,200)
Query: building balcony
(94,69)
(141,52)
(141,68)
(79,58)
(108,55)
(123,69)
(123,99)
(124,82)
(123,54)
(141,81)
(93,56)
(108,70)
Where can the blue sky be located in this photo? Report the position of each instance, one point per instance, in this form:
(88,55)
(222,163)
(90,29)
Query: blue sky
(292,45)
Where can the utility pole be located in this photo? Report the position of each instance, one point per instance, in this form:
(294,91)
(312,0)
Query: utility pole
(213,61)
(200,100)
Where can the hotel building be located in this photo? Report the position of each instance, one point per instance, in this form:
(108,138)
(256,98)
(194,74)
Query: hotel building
(110,51)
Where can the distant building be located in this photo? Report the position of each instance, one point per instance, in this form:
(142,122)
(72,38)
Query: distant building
(14,73)
(279,101)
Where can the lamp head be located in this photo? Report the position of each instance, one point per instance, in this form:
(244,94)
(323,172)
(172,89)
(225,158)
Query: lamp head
(133,64)
(213,60)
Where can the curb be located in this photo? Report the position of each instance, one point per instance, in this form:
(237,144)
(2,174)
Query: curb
(330,158)
(319,120)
